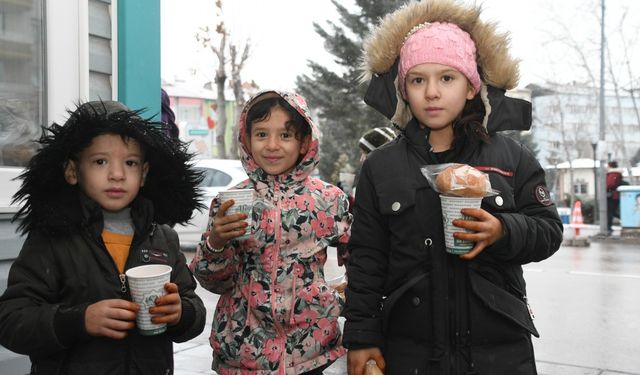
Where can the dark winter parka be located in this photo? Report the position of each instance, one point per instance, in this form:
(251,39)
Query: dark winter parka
(429,311)
(64,265)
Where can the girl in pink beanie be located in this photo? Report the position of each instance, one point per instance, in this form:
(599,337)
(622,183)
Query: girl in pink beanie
(439,73)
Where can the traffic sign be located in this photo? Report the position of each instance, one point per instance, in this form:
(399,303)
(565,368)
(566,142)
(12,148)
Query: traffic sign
(198,131)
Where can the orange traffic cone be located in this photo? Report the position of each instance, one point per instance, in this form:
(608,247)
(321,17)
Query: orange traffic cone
(576,217)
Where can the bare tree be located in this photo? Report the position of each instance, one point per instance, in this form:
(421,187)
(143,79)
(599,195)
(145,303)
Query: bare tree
(207,39)
(237,60)
(617,128)
(567,145)
(584,52)
(632,86)
(237,64)
(565,38)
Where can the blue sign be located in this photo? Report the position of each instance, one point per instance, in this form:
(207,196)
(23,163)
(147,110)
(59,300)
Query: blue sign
(198,131)
(629,206)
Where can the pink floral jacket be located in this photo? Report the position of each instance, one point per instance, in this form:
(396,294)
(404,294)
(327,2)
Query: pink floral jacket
(276,313)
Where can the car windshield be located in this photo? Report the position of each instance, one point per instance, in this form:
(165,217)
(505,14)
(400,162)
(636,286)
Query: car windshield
(213,177)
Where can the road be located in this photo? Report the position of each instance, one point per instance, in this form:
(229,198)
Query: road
(587,306)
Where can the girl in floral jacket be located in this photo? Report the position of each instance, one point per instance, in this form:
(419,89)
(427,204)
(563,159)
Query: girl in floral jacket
(276,313)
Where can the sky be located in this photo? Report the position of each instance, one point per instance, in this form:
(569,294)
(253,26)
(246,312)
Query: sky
(283,39)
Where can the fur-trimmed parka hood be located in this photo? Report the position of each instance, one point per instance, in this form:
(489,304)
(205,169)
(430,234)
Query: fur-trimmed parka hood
(53,205)
(498,69)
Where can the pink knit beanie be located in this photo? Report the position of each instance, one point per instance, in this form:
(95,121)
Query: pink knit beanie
(439,43)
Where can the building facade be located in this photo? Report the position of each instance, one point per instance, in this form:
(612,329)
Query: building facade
(53,55)
(566,124)
(196,111)
(578,178)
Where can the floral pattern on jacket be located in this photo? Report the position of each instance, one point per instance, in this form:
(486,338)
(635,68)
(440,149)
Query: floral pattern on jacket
(276,313)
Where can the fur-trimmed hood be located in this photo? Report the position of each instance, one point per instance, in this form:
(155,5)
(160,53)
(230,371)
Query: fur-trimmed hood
(51,204)
(498,69)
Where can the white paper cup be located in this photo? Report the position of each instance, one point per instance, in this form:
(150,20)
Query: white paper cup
(451,207)
(244,200)
(346,179)
(146,284)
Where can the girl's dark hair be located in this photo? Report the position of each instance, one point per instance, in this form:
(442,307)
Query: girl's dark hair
(469,124)
(261,111)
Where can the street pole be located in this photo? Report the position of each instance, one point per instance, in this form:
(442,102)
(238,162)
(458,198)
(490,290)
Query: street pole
(602,201)
(594,145)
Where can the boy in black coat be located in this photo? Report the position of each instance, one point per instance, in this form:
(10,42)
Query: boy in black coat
(99,198)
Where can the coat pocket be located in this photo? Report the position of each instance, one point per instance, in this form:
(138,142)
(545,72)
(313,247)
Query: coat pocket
(393,200)
(398,207)
(506,312)
(405,312)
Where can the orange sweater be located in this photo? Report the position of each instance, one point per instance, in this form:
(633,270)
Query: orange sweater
(118,246)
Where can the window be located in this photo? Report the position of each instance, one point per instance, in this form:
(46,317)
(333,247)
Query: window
(190,113)
(580,187)
(100,54)
(22,93)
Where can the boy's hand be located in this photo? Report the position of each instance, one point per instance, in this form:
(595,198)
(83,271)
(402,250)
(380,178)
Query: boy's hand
(225,227)
(488,229)
(110,318)
(357,360)
(168,308)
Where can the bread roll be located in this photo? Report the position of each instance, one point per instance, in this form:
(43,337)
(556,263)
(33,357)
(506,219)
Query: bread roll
(463,181)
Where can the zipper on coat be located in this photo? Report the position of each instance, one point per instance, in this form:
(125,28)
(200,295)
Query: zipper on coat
(135,244)
(458,312)
(121,276)
(526,300)
(519,294)
(123,286)
(274,276)
(123,283)
(452,315)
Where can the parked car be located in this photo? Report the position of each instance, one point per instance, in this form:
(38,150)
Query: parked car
(219,174)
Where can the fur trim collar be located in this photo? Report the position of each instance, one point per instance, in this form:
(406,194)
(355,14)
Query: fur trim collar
(382,49)
(171,184)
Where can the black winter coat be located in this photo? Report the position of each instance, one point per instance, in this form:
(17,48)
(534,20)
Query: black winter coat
(429,311)
(57,276)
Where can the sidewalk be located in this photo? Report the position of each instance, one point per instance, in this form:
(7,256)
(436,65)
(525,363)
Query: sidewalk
(591,233)
(194,356)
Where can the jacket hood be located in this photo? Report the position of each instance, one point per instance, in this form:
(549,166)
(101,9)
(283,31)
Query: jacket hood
(50,203)
(308,162)
(382,49)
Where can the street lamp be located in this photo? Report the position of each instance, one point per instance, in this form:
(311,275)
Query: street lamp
(594,145)
(601,139)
